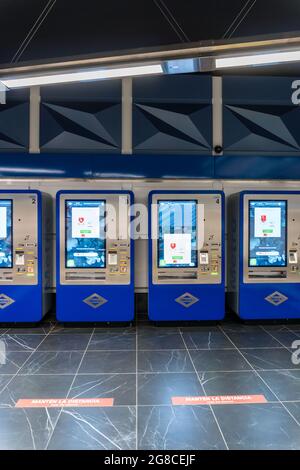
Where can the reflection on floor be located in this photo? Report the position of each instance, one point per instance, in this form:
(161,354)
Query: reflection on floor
(141,369)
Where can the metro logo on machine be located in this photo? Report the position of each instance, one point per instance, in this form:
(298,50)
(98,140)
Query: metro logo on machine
(263,218)
(173,245)
(81,220)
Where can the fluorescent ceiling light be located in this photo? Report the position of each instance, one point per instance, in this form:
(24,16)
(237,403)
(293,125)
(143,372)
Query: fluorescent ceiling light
(99,74)
(258,59)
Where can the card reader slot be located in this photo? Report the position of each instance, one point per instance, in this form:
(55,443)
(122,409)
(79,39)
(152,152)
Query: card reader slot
(177,276)
(268,274)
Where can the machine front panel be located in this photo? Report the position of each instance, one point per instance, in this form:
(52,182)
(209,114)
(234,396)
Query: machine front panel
(95,239)
(18,239)
(271,238)
(186,238)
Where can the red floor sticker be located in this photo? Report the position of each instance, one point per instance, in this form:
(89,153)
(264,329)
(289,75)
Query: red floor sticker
(219,400)
(64,402)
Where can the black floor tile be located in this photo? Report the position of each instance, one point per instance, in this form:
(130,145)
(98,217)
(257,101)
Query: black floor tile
(159,338)
(4,379)
(182,427)
(218,360)
(43,362)
(106,362)
(164,361)
(272,327)
(286,338)
(158,389)
(285,384)
(35,386)
(239,328)
(116,339)
(75,342)
(120,387)
(235,383)
(294,327)
(95,429)
(26,429)
(253,339)
(269,358)
(43,329)
(11,362)
(26,343)
(210,339)
(3,331)
(294,409)
(61,330)
(265,426)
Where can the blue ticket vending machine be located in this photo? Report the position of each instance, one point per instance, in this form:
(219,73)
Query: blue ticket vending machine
(95,273)
(25,255)
(186,255)
(263,254)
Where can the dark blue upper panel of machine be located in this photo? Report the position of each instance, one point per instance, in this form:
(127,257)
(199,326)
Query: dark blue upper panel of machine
(172,114)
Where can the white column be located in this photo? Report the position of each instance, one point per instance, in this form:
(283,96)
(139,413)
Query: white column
(34,120)
(127,115)
(217,112)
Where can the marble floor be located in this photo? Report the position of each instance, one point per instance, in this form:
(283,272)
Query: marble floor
(142,368)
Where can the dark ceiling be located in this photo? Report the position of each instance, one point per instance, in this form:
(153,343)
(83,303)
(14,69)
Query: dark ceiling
(72,27)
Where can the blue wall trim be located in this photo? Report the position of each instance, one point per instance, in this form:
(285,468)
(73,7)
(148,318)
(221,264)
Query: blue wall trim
(148,166)
(105,166)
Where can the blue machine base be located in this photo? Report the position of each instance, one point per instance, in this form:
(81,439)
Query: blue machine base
(209,307)
(119,305)
(253,306)
(27,306)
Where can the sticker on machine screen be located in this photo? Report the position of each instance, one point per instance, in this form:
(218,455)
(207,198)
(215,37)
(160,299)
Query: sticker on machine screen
(64,403)
(219,400)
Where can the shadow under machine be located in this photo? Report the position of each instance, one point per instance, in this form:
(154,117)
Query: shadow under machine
(25,255)
(95,274)
(186,256)
(263,254)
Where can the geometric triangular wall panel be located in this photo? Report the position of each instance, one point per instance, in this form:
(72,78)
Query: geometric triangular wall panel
(14,126)
(259,116)
(81,126)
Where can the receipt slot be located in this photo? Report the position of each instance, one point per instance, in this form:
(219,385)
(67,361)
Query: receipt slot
(25,256)
(263,254)
(186,256)
(95,275)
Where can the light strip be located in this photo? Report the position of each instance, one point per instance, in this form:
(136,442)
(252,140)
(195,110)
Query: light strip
(258,59)
(99,74)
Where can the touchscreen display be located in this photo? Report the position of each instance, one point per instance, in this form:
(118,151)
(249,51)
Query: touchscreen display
(177,234)
(85,234)
(5,233)
(267,233)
